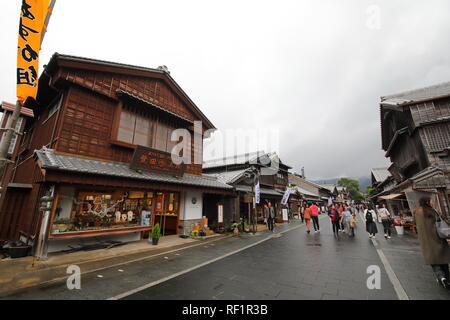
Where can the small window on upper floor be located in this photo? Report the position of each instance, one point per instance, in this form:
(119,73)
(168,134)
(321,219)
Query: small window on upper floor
(144,130)
(12,145)
(54,106)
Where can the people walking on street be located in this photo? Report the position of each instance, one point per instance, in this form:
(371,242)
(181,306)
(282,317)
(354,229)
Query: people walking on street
(353,224)
(371,226)
(334,216)
(307,217)
(385,217)
(269,213)
(301,209)
(315,217)
(345,219)
(436,251)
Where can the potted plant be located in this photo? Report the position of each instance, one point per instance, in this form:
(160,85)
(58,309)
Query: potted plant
(156,234)
(194,234)
(235,228)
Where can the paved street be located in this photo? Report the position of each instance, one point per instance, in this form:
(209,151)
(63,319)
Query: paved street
(288,264)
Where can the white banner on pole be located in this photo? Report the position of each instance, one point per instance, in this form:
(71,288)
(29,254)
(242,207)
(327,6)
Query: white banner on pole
(286,195)
(257,193)
(330,202)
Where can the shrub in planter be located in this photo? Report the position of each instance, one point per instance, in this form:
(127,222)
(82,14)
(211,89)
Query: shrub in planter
(235,227)
(156,234)
(228,228)
(194,233)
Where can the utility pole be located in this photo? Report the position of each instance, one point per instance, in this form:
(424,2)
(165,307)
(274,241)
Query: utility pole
(255,180)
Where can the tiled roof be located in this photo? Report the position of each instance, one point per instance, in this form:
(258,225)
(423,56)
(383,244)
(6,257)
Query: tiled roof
(52,161)
(10,107)
(58,56)
(228,177)
(237,159)
(330,187)
(304,191)
(381,174)
(436,91)
(258,157)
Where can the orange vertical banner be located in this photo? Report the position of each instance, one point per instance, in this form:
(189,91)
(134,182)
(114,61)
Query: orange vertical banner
(34,18)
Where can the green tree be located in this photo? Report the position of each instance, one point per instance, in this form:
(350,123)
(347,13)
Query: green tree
(352,187)
(371,191)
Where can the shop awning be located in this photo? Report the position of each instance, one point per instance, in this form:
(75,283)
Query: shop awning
(390,196)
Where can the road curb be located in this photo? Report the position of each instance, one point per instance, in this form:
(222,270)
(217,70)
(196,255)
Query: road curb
(38,279)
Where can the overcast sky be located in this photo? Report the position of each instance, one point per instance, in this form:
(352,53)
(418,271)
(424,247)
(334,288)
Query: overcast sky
(314,70)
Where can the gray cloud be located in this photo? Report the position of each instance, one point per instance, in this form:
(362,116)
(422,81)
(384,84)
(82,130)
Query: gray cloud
(311,68)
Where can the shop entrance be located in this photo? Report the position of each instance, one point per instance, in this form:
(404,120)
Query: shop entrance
(166,211)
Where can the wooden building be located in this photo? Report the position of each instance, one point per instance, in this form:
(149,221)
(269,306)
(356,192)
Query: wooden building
(100,145)
(241,171)
(310,191)
(415,132)
(383,182)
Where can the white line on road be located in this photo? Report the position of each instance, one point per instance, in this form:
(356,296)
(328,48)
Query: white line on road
(154,283)
(399,290)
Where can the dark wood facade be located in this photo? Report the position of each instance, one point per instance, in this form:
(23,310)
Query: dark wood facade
(415,130)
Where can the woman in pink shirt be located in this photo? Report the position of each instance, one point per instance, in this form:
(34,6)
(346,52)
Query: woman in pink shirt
(315,217)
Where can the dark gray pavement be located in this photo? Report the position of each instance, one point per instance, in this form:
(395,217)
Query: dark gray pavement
(404,255)
(293,266)
(289,265)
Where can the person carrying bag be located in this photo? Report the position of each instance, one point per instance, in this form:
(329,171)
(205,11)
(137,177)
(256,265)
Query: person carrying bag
(385,218)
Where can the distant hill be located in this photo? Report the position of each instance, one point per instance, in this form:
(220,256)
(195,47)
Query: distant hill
(363,182)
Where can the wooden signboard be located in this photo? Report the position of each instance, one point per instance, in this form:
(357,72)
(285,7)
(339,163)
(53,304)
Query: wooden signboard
(149,159)
(248,198)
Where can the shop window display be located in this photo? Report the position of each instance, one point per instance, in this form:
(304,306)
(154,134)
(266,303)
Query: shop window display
(79,210)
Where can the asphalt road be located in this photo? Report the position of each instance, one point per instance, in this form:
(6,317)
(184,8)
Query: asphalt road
(295,265)
(288,264)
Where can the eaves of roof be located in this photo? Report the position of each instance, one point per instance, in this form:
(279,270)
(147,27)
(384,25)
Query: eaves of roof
(160,109)
(49,160)
(394,139)
(82,60)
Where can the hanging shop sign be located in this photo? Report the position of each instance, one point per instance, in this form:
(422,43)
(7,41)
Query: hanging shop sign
(285,214)
(220,213)
(149,159)
(34,18)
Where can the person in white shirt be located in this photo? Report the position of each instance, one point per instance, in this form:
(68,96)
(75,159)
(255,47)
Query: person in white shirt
(385,220)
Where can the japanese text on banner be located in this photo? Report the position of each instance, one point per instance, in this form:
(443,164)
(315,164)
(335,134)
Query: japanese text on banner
(34,18)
